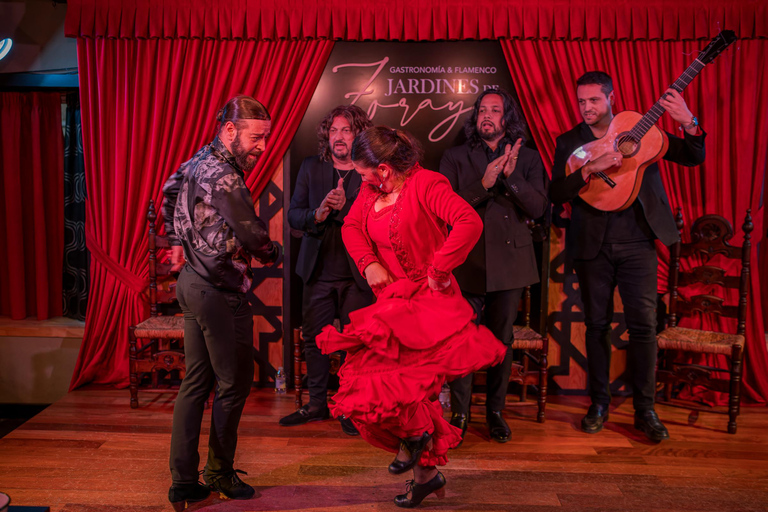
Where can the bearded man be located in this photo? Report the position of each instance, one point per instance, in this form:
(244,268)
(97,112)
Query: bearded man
(214,231)
(506,184)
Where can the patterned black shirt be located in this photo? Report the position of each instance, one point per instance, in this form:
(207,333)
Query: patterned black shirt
(209,211)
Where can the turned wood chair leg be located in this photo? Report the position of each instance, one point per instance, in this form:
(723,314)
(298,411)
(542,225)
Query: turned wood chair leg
(134,378)
(543,381)
(524,386)
(735,386)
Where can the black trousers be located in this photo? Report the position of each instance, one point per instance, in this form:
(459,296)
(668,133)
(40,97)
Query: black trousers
(632,267)
(497,311)
(218,349)
(323,301)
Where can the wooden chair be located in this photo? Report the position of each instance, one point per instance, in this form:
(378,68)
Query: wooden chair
(709,238)
(160,351)
(300,365)
(531,343)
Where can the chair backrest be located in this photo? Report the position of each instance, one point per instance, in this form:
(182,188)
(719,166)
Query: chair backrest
(162,284)
(709,238)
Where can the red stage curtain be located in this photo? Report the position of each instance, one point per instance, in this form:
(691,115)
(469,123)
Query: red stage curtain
(730,97)
(32,216)
(419,20)
(147,106)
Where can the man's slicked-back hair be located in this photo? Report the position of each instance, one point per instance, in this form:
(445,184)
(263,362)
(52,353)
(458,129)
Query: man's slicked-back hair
(600,78)
(355,116)
(241,108)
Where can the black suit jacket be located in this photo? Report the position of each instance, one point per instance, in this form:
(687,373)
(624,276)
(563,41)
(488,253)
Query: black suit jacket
(316,178)
(584,236)
(503,258)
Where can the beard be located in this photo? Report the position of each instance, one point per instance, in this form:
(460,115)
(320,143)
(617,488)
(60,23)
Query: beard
(246,160)
(340,151)
(493,134)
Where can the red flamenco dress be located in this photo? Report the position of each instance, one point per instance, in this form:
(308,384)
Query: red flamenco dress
(402,348)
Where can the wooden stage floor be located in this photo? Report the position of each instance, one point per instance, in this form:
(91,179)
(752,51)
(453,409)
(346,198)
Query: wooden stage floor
(90,452)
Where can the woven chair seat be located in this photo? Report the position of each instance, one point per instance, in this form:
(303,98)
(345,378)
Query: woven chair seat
(694,340)
(527,339)
(161,327)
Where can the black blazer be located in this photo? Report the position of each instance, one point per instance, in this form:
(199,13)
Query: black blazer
(316,178)
(503,258)
(585,233)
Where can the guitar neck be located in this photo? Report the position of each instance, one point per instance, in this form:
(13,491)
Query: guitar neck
(652,116)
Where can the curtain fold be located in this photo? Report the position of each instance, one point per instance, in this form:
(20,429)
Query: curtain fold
(148,106)
(423,20)
(31,217)
(730,97)
(76,258)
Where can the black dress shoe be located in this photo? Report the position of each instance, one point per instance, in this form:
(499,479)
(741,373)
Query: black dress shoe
(230,485)
(305,415)
(180,495)
(648,423)
(461,421)
(413,448)
(348,427)
(421,491)
(592,423)
(497,427)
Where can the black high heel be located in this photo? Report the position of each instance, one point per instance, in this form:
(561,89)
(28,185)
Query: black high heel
(421,491)
(181,495)
(413,449)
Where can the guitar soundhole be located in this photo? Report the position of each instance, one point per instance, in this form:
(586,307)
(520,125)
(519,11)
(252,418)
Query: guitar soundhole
(626,145)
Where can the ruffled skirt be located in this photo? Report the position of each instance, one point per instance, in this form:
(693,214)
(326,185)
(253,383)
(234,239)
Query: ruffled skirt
(400,350)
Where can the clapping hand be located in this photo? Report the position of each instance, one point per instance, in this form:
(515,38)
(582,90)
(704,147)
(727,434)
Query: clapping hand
(511,163)
(334,200)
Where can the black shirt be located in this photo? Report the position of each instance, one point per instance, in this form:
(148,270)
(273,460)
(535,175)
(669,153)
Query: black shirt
(332,263)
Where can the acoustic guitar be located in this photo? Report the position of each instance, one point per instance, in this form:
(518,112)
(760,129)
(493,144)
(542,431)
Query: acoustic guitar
(638,139)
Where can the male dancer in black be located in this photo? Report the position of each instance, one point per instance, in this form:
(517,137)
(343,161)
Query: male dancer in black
(211,222)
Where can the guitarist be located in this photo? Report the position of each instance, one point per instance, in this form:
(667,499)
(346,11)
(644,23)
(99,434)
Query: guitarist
(617,248)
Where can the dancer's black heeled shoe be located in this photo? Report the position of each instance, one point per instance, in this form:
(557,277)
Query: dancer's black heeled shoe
(421,491)
(414,450)
(181,495)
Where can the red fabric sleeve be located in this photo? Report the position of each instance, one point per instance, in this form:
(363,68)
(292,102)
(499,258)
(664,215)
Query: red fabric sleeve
(439,197)
(355,240)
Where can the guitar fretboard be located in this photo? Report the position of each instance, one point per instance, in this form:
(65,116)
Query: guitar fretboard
(652,116)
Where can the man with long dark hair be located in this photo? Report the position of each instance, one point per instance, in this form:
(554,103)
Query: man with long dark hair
(210,218)
(325,189)
(506,184)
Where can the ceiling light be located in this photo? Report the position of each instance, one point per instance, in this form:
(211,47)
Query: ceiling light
(5,47)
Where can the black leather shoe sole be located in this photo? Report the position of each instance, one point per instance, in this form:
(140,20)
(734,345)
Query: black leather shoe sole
(499,438)
(652,434)
(348,427)
(297,418)
(594,427)
(497,427)
(182,495)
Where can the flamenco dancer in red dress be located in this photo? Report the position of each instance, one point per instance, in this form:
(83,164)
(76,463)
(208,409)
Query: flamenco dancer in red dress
(420,331)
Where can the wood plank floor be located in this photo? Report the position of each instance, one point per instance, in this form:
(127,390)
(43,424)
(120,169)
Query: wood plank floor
(90,452)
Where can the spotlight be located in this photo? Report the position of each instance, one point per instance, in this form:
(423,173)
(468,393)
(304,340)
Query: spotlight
(5,47)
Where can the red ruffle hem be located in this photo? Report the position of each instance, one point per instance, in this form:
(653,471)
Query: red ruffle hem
(400,350)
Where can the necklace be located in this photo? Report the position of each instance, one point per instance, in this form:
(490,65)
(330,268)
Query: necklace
(343,176)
